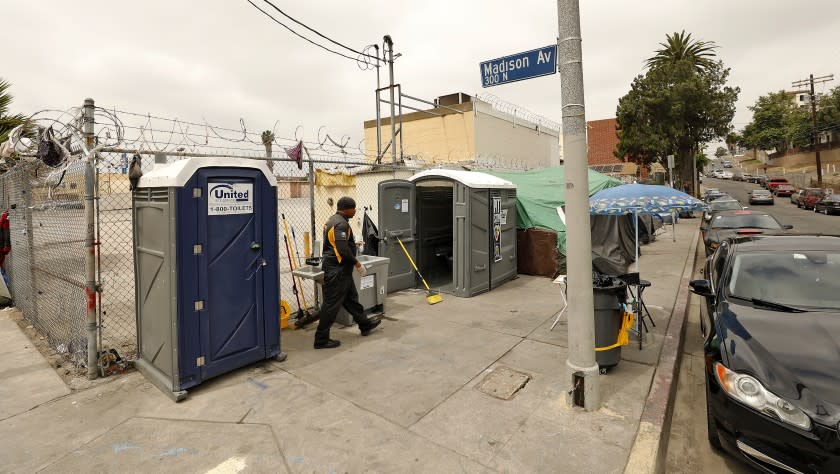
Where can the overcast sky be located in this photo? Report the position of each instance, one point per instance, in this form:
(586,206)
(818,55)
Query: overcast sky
(220,60)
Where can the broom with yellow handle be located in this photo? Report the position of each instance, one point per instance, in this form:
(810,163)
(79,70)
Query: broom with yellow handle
(432,297)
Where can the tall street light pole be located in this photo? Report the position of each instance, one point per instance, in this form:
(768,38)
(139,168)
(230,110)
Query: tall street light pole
(582,369)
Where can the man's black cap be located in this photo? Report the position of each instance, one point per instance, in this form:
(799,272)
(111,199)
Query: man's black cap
(345,203)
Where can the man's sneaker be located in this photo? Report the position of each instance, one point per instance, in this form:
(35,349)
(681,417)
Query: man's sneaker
(371,326)
(330,344)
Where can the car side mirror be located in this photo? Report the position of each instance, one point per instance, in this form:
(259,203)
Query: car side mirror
(787,226)
(701,287)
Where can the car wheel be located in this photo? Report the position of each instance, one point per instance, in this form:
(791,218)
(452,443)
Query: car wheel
(711,425)
(826,210)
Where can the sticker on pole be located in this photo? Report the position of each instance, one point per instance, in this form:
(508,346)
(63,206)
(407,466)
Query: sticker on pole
(230,198)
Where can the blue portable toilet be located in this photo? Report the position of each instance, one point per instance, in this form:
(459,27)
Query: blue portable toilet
(206,270)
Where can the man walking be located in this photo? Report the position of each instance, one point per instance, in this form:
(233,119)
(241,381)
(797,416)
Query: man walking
(338,262)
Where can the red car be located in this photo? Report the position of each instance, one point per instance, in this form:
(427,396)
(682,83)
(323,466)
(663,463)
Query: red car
(810,196)
(784,190)
(773,183)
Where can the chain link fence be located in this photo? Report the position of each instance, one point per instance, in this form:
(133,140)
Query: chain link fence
(46,265)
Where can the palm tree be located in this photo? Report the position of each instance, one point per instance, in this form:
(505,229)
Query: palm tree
(7,122)
(680,46)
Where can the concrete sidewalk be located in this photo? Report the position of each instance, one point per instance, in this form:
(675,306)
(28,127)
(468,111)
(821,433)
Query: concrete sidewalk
(407,398)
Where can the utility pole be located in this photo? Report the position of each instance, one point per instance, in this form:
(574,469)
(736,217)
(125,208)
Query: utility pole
(811,81)
(582,369)
(90,240)
(390,43)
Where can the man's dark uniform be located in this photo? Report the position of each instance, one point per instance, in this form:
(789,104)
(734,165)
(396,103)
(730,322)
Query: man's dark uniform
(339,260)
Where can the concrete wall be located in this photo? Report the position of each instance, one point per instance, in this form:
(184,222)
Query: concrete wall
(448,138)
(500,137)
(480,132)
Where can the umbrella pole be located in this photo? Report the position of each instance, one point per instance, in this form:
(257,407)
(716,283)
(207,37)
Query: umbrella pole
(636,263)
(674,225)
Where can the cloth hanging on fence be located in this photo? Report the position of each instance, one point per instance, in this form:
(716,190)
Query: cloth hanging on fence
(331,180)
(5,238)
(49,151)
(370,235)
(296,153)
(135,172)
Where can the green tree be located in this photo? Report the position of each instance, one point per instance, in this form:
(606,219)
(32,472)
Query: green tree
(777,123)
(681,47)
(732,140)
(673,109)
(828,116)
(7,122)
(720,152)
(702,160)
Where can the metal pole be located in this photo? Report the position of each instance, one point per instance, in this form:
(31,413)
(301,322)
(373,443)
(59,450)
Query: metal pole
(378,115)
(90,243)
(390,44)
(582,368)
(312,212)
(815,141)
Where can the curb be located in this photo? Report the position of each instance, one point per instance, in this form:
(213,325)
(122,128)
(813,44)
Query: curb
(651,444)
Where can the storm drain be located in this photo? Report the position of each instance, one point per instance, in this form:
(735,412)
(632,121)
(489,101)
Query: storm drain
(503,383)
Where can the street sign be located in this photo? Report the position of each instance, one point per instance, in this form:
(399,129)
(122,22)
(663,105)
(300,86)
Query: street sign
(520,66)
(670,162)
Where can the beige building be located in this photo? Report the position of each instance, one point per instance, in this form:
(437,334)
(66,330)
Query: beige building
(463,128)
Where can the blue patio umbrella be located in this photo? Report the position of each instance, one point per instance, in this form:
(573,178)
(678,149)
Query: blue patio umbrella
(641,199)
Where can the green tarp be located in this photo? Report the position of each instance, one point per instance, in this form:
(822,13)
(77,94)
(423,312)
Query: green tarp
(540,192)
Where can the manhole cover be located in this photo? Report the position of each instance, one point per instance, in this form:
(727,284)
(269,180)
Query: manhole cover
(503,383)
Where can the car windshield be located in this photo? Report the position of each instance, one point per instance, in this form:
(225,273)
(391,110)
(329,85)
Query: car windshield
(799,279)
(758,221)
(833,198)
(724,206)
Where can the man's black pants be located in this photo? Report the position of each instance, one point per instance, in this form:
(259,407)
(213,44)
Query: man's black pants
(339,291)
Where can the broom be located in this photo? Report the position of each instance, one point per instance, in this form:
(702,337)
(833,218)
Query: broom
(432,297)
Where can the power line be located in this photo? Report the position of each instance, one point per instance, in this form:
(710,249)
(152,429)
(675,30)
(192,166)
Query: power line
(365,56)
(319,33)
(298,34)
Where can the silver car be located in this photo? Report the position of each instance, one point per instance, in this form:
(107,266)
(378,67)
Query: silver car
(761,196)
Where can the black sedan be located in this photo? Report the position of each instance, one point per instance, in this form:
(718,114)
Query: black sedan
(828,205)
(725,224)
(772,351)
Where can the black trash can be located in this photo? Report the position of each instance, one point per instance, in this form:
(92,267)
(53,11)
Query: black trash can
(609,293)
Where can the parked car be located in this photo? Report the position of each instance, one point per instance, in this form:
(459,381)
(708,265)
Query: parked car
(828,204)
(810,197)
(770,400)
(784,190)
(723,203)
(761,196)
(737,176)
(717,174)
(762,181)
(726,175)
(725,224)
(797,196)
(773,183)
(752,178)
(746,177)
(713,196)
(727,164)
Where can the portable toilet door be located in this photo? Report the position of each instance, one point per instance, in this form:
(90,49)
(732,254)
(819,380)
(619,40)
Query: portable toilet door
(397,220)
(237,268)
(503,217)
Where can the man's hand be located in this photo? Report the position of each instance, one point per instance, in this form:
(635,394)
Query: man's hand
(361,269)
